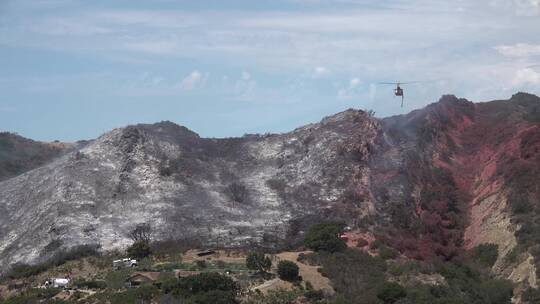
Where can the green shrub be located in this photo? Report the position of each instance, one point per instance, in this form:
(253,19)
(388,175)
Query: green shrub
(325,237)
(314,295)
(375,245)
(221,264)
(355,275)
(204,288)
(274,297)
(486,254)
(258,261)
(287,271)
(34,295)
(391,292)
(387,253)
(213,297)
(139,250)
(398,268)
(201,264)
(205,282)
(496,291)
(361,243)
(531,295)
(474,284)
(146,292)
(90,284)
(117,279)
(512,256)
(167,266)
(115,297)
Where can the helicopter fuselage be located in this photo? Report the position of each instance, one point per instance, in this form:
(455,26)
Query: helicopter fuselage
(398,91)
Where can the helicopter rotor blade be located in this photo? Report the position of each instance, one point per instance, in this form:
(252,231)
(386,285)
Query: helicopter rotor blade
(399,83)
(412,82)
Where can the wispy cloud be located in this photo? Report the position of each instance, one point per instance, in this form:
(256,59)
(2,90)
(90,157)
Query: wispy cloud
(195,80)
(519,50)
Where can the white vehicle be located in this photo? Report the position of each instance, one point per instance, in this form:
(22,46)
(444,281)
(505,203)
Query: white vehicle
(124,263)
(56,283)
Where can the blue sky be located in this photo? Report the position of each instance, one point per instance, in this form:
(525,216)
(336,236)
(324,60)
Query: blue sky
(72,70)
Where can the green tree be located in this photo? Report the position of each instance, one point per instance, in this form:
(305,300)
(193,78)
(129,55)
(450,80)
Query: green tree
(258,261)
(391,292)
(139,250)
(287,270)
(208,281)
(325,236)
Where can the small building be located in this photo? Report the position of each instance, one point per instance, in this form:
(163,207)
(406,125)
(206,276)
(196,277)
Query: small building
(205,253)
(139,278)
(185,273)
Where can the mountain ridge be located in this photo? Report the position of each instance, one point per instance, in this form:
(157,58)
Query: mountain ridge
(430,184)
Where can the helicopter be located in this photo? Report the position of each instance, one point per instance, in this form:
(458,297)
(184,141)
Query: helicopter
(398,91)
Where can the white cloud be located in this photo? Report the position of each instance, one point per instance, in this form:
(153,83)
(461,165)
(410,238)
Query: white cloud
(351,91)
(245,88)
(519,50)
(525,77)
(355,82)
(193,81)
(246,76)
(320,72)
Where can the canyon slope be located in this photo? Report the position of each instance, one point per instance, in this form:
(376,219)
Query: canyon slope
(431,184)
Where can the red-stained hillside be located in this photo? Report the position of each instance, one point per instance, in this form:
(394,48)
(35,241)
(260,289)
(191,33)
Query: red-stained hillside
(442,176)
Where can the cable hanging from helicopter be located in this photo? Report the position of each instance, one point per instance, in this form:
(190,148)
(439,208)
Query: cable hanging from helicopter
(398,91)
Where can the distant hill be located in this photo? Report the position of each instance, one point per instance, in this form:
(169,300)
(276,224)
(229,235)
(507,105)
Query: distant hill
(19,154)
